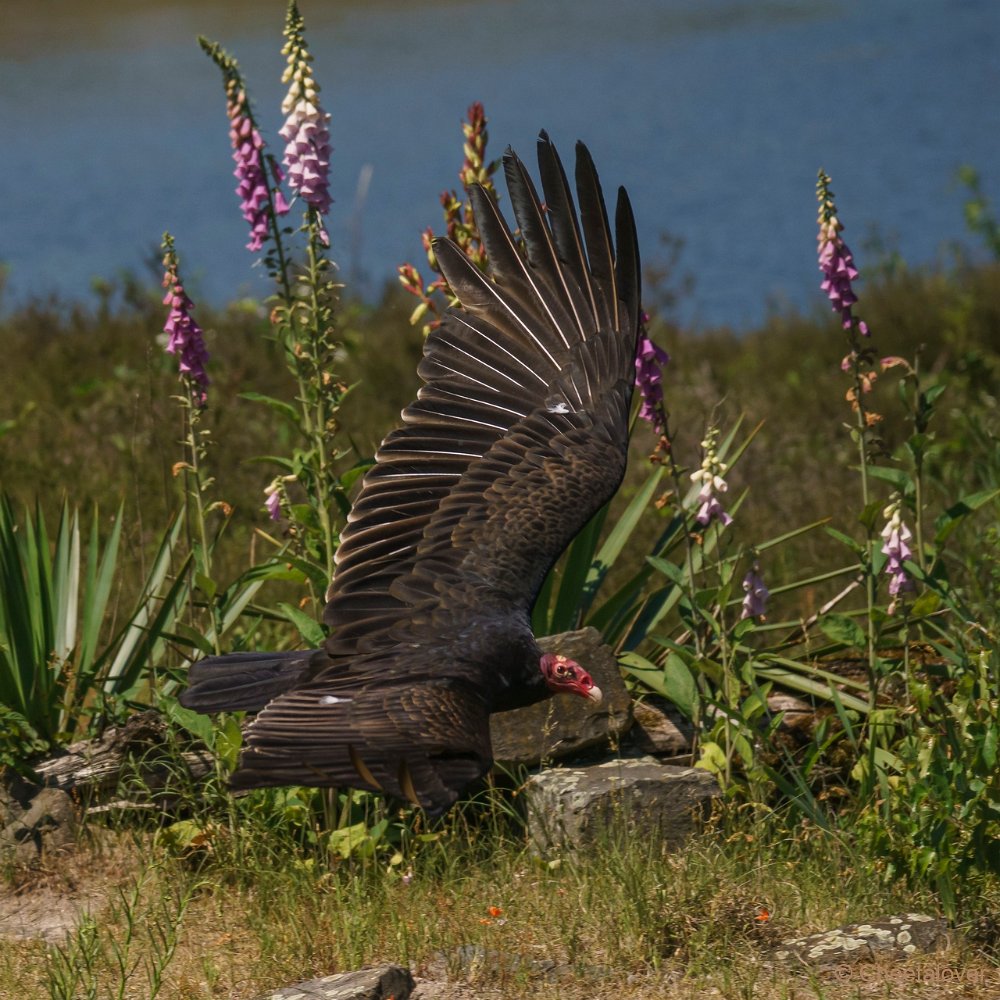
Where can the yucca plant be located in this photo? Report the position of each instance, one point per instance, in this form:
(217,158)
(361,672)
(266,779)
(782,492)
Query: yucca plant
(58,667)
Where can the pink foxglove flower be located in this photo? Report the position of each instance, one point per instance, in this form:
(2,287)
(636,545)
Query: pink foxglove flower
(307,126)
(710,508)
(649,362)
(185,337)
(757,594)
(257,200)
(710,476)
(273,504)
(836,261)
(896,537)
(252,186)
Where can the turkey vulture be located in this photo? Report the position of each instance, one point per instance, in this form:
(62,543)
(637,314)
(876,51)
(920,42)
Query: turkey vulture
(517,437)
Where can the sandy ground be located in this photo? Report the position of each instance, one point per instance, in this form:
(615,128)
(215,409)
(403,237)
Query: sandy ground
(43,913)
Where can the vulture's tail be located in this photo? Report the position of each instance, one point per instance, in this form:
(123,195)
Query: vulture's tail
(243,681)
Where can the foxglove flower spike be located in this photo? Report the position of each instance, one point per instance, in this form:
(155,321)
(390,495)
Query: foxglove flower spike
(649,362)
(307,126)
(185,337)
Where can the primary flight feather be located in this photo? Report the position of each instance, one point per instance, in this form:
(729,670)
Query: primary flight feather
(517,437)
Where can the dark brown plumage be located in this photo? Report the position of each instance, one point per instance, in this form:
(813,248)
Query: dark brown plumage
(517,438)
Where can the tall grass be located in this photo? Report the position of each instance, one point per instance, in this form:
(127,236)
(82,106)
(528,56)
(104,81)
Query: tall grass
(114,426)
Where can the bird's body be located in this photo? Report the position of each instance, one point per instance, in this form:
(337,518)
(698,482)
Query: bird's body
(518,436)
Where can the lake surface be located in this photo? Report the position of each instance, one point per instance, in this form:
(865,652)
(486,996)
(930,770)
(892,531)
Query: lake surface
(715,114)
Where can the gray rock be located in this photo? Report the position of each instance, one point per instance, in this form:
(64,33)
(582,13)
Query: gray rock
(15,795)
(385,982)
(565,726)
(663,730)
(888,937)
(581,806)
(33,820)
(798,717)
(660,728)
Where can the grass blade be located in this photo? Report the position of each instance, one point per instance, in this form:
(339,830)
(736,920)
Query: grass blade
(100,580)
(66,584)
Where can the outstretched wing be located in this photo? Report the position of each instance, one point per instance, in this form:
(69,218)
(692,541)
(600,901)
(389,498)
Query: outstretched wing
(518,436)
(520,433)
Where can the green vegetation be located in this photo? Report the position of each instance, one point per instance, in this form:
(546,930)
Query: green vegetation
(865,491)
(903,813)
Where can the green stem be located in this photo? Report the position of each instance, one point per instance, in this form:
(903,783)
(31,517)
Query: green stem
(699,643)
(918,483)
(862,422)
(699,639)
(321,425)
(727,675)
(307,371)
(281,274)
(920,426)
(194,484)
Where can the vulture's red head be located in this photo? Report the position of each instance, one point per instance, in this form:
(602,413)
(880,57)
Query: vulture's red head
(566,676)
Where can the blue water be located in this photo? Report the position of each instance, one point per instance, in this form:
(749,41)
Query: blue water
(716,116)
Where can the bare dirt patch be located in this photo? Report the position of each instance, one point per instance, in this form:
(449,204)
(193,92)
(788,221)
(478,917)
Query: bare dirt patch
(45,902)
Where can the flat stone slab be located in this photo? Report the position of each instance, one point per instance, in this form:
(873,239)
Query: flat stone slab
(582,806)
(888,937)
(565,726)
(385,982)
